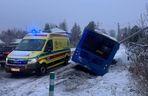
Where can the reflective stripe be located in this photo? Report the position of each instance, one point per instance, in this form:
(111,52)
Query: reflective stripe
(55,65)
(51,82)
(51,93)
(51,88)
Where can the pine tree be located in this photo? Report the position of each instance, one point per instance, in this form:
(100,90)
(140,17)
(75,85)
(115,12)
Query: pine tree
(75,34)
(136,37)
(91,25)
(8,36)
(63,25)
(47,28)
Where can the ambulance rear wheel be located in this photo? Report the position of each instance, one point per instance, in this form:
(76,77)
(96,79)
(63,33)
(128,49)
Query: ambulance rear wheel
(66,60)
(2,65)
(42,70)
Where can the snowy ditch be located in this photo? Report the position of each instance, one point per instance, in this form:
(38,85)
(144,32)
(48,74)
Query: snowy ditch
(72,82)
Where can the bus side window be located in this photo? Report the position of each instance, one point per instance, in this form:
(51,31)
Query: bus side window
(49,46)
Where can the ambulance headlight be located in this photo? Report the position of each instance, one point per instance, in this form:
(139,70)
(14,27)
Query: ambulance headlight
(32,61)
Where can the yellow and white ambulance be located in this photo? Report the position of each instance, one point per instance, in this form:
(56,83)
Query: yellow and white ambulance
(38,52)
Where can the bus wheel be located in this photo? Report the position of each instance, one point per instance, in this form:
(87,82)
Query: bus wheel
(42,70)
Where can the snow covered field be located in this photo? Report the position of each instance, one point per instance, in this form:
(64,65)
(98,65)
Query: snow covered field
(72,82)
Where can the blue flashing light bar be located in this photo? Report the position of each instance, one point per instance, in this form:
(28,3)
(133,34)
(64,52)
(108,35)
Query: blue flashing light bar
(34,31)
(37,34)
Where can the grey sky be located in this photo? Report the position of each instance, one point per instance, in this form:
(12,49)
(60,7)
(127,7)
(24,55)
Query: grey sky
(24,13)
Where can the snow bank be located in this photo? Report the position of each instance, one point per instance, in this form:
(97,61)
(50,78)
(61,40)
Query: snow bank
(121,55)
(115,83)
(73,49)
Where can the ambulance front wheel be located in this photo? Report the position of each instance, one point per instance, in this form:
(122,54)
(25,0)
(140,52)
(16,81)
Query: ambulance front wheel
(42,70)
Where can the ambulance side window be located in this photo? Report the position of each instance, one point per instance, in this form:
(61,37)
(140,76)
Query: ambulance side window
(49,46)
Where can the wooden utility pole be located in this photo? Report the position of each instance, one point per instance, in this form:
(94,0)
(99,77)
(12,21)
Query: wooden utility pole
(119,33)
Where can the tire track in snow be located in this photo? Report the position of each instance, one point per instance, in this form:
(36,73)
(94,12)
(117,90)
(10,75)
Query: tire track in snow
(11,86)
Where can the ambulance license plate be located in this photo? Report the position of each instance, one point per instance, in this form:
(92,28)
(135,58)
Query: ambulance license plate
(15,69)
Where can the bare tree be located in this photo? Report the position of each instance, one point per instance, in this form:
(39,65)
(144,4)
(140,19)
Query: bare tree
(146,14)
(138,55)
(142,21)
(10,35)
(7,36)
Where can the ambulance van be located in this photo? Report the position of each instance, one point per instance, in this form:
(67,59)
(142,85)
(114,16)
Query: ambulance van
(38,52)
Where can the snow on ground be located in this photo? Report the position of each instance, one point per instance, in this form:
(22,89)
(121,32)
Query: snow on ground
(72,82)
(117,82)
(121,55)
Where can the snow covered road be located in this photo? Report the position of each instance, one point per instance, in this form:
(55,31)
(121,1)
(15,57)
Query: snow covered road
(72,82)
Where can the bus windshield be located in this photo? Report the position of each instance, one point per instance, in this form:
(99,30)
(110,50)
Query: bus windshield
(31,45)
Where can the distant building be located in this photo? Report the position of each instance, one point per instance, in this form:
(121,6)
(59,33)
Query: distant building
(60,31)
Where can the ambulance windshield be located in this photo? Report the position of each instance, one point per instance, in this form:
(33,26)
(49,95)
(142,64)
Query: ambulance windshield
(31,45)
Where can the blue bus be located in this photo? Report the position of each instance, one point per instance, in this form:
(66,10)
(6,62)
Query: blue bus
(95,51)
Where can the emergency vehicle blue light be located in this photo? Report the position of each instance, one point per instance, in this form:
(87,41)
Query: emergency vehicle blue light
(34,31)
